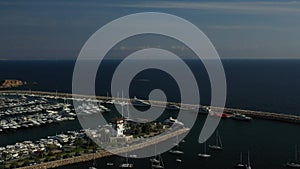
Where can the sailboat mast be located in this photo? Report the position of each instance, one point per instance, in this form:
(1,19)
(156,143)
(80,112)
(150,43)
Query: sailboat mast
(217,137)
(241,157)
(126,158)
(94,160)
(220,141)
(122,110)
(122,105)
(177,142)
(248,158)
(161,160)
(128,111)
(296,154)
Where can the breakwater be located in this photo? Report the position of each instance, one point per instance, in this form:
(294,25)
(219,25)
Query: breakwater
(255,114)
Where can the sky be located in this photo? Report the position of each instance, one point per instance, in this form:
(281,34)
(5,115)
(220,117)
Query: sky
(57,29)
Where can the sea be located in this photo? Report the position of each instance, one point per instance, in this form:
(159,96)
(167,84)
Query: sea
(262,84)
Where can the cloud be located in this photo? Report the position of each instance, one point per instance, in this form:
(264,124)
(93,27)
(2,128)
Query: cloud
(281,7)
(247,7)
(247,27)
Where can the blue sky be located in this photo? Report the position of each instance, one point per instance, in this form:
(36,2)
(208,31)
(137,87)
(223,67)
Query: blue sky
(57,29)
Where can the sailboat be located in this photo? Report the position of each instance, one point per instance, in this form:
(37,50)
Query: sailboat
(248,166)
(158,163)
(240,164)
(154,160)
(294,164)
(176,150)
(204,154)
(94,163)
(178,160)
(127,164)
(218,145)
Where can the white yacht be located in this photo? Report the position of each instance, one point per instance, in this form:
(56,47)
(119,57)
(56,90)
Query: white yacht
(140,103)
(110,164)
(173,121)
(126,165)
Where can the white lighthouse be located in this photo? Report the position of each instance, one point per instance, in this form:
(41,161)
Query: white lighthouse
(118,126)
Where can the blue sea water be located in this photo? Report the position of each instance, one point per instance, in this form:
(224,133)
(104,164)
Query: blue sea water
(268,85)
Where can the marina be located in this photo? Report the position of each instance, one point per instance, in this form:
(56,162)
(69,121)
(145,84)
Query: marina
(229,112)
(20,111)
(55,105)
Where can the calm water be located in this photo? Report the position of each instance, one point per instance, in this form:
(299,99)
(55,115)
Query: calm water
(269,85)
(270,143)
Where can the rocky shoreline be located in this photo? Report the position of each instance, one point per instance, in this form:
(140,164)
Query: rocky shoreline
(14,83)
(11,83)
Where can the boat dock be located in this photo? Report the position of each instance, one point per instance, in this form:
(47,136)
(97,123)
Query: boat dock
(289,118)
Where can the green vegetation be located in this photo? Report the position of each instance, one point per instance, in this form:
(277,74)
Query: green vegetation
(144,129)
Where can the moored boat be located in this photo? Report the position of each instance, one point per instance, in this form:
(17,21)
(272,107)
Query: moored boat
(240,164)
(241,117)
(218,145)
(140,103)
